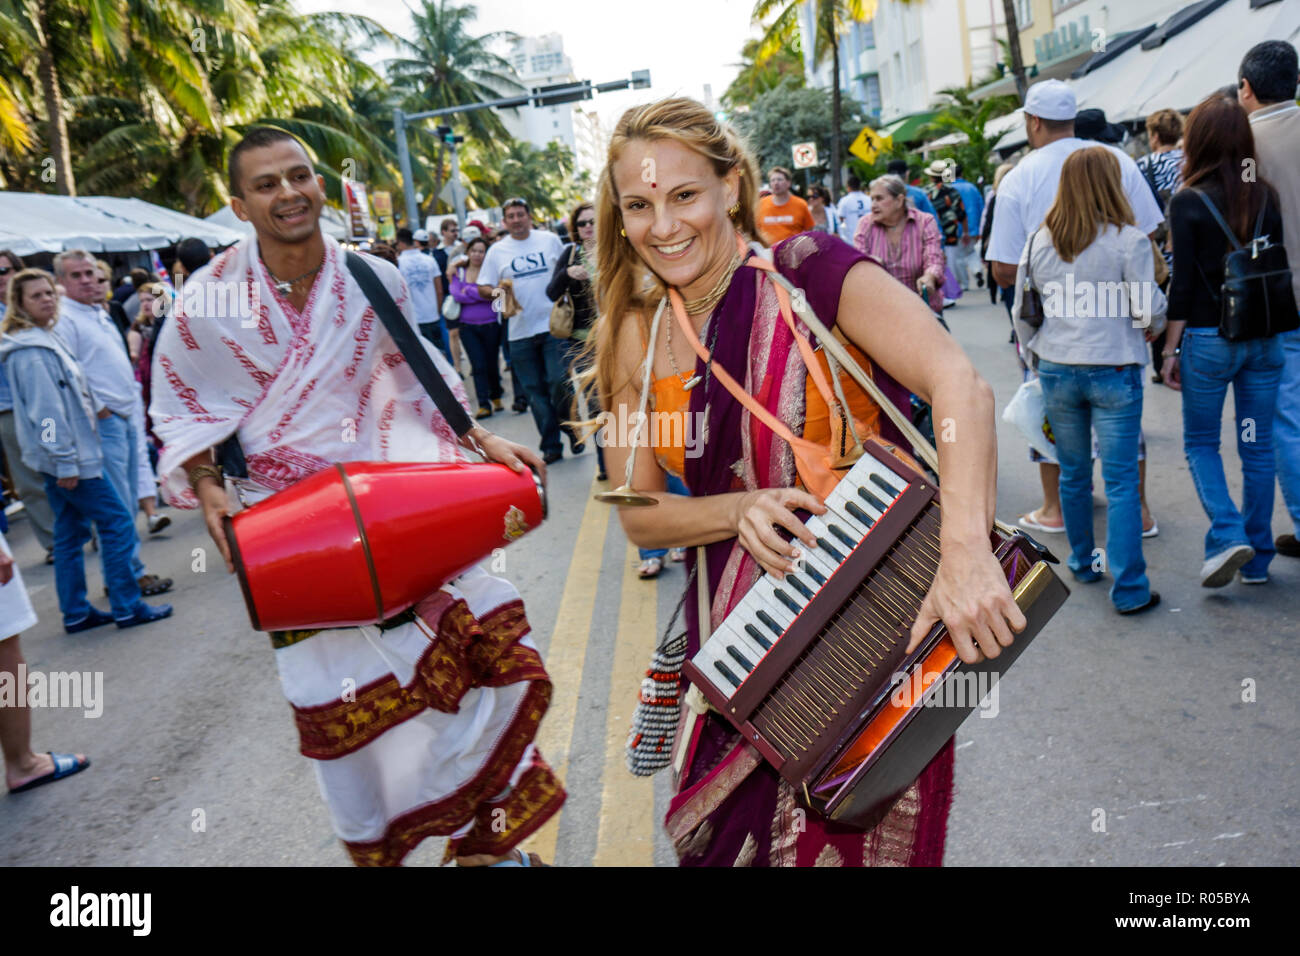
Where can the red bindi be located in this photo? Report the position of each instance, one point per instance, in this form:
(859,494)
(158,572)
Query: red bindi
(653,185)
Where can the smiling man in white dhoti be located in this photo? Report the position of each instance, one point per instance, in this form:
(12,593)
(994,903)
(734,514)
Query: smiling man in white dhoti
(436,737)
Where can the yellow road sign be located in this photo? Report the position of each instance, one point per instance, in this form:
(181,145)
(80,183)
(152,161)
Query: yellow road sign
(869,144)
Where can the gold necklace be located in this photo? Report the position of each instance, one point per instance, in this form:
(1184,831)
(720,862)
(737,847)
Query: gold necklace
(705,303)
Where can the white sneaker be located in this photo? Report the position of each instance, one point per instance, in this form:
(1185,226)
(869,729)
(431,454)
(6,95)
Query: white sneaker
(1253,578)
(1218,570)
(158,523)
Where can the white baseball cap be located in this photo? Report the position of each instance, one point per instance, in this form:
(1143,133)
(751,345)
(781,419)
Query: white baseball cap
(1051,100)
(421,235)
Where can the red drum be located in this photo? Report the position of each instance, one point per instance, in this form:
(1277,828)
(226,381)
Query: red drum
(363,541)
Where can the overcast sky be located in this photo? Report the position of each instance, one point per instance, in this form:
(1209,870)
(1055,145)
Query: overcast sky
(683,43)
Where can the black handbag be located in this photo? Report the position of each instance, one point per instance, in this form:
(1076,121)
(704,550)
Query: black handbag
(1031,303)
(1256,299)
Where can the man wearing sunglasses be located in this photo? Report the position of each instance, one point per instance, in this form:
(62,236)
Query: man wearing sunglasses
(28,484)
(526,256)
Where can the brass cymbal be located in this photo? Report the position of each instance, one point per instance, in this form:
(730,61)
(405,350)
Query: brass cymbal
(627,496)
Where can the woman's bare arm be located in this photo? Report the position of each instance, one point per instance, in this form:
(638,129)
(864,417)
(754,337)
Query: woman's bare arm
(970,593)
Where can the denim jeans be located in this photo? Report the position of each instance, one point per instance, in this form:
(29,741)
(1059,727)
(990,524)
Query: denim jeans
(121,460)
(482,342)
(675,487)
(528,358)
(436,332)
(1078,399)
(1254,369)
(1286,426)
(94,499)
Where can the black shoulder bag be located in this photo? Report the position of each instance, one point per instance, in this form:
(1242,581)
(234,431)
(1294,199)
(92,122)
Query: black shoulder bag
(1031,303)
(230,453)
(1256,300)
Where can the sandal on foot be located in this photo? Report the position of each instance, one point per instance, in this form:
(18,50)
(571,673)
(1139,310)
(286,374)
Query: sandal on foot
(678,555)
(1031,522)
(650,568)
(151,585)
(1152,531)
(65,765)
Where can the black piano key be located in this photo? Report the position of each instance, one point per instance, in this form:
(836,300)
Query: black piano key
(758,637)
(771,624)
(726,672)
(787,600)
(839,533)
(814,574)
(856,512)
(885,486)
(826,546)
(872,500)
(739,658)
(798,585)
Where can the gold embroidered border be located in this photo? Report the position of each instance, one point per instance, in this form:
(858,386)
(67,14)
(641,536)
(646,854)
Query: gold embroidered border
(466,653)
(538,796)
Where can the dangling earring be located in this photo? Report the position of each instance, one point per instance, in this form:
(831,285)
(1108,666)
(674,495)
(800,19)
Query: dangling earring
(733,210)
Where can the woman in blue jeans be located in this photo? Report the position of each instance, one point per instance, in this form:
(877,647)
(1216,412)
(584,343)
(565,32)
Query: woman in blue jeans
(1218,145)
(56,418)
(1095,272)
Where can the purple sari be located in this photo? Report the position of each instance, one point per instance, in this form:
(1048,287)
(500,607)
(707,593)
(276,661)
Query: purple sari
(732,808)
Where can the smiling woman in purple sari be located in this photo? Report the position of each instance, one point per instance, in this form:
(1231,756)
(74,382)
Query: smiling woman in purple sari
(675,209)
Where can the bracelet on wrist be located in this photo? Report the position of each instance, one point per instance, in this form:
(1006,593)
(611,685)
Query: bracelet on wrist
(200,472)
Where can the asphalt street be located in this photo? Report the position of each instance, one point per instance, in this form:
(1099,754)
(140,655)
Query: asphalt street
(1165,739)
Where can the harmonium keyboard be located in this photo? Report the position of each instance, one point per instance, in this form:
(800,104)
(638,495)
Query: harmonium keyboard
(811,669)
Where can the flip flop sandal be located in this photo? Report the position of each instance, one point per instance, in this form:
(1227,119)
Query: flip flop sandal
(523,859)
(1030,522)
(678,555)
(650,568)
(65,765)
(1153,530)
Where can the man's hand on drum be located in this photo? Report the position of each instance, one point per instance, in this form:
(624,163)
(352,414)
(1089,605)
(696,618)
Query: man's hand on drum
(971,596)
(758,514)
(514,456)
(212,497)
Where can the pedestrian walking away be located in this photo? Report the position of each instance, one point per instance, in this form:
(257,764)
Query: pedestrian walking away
(1202,362)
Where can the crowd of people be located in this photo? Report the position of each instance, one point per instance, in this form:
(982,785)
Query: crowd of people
(1176,233)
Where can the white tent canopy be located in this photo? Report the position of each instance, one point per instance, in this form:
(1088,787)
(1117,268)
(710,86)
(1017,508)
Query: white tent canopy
(37,222)
(331,222)
(1178,73)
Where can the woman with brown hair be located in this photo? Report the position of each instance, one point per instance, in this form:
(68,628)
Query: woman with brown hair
(1216,197)
(1095,271)
(675,217)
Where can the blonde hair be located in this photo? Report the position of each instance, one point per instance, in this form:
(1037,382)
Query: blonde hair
(624,284)
(1000,173)
(16,317)
(1090,196)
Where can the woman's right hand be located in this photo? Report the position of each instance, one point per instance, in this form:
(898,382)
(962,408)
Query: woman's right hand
(1172,373)
(758,514)
(577,273)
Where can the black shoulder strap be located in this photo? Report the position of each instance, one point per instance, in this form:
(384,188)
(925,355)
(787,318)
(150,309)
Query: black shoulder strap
(409,345)
(1218,217)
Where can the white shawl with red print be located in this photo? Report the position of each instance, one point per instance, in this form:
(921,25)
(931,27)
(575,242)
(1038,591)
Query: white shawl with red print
(303,391)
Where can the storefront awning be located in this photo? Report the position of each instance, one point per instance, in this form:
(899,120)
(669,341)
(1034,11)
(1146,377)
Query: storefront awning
(905,128)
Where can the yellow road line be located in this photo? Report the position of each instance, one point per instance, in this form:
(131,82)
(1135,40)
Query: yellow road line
(566,654)
(627,817)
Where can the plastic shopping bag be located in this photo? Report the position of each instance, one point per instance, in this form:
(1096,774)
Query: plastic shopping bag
(1027,412)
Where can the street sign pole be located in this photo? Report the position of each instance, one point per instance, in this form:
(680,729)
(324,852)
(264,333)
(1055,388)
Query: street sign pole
(408,181)
(639,80)
(457,190)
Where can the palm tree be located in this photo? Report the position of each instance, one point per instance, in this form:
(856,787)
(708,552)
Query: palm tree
(443,65)
(831,20)
(961,114)
(1013,44)
(755,78)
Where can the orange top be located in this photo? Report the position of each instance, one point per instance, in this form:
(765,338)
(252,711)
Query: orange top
(781,222)
(671,404)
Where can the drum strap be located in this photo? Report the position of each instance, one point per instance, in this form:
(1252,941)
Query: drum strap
(409,345)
